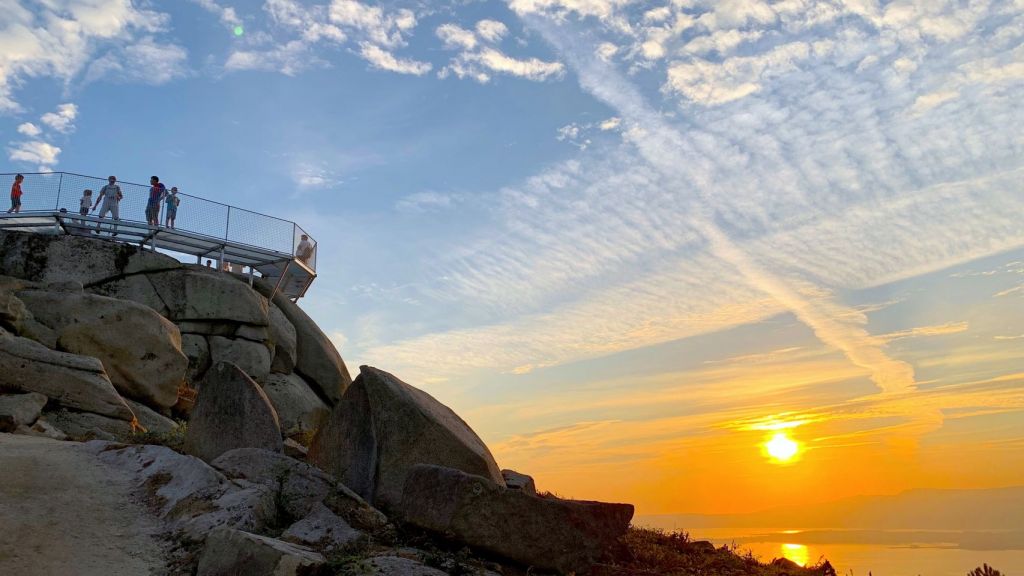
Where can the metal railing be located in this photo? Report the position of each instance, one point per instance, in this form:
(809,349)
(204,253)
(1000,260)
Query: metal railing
(50,192)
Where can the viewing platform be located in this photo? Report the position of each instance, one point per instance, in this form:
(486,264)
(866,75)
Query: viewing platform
(227,237)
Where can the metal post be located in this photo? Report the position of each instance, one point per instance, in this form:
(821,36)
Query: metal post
(227,224)
(60,183)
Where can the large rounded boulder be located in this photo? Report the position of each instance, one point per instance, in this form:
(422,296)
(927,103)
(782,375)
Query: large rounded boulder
(383,427)
(139,349)
(231,411)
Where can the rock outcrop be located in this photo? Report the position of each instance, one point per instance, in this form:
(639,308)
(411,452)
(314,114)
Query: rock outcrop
(301,487)
(65,258)
(126,317)
(139,349)
(20,410)
(548,533)
(231,412)
(384,427)
(317,360)
(252,358)
(299,409)
(230,552)
(196,294)
(69,379)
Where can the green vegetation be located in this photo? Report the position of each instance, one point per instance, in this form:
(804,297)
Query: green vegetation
(175,439)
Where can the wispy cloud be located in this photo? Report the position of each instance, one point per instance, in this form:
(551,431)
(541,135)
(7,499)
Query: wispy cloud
(479,57)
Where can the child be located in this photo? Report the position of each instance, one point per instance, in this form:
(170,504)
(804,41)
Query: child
(16,195)
(172,202)
(85,203)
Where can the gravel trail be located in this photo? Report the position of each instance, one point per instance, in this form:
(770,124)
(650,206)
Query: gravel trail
(64,512)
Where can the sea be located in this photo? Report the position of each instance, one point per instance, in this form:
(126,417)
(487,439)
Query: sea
(921,552)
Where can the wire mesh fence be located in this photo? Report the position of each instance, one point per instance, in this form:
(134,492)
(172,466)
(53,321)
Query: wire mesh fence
(51,192)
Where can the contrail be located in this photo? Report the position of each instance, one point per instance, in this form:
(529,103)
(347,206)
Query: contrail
(659,145)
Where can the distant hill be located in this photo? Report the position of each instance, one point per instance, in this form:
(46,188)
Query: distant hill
(989,509)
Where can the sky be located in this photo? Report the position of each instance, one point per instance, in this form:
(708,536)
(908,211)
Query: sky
(629,242)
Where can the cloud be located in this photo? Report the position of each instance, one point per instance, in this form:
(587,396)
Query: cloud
(60,39)
(288,59)
(456,37)
(610,124)
(478,59)
(147,61)
(384,60)
(491,30)
(427,202)
(36,152)
(62,120)
(225,14)
(939,330)
(29,129)
(712,83)
(377,32)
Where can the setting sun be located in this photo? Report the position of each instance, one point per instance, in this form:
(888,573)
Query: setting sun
(782,448)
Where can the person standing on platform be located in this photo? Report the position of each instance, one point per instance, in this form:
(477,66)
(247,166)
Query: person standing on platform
(157,191)
(305,250)
(171,207)
(16,194)
(85,204)
(110,195)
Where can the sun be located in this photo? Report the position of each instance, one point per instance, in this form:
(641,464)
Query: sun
(781,448)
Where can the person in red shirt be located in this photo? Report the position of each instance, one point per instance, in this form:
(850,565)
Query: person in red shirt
(16,195)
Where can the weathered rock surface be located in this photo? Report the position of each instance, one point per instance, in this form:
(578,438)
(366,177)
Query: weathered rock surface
(71,380)
(301,487)
(253,358)
(317,360)
(322,529)
(397,566)
(43,258)
(260,334)
(517,481)
(140,350)
(384,427)
(136,288)
(231,552)
(193,294)
(189,493)
(89,426)
(564,535)
(20,410)
(282,334)
(197,350)
(151,420)
(16,317)
(41,429)
(231,411)
(298,408)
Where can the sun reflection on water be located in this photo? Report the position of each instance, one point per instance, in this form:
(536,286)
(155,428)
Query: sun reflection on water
(795,552)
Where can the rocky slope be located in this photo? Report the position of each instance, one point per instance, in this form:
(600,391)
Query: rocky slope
(122,347)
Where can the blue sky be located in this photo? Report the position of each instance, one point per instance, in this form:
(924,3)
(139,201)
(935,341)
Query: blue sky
(565,217)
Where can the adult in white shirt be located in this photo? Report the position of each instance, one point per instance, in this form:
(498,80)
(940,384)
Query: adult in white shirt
(110,196)
(305,250)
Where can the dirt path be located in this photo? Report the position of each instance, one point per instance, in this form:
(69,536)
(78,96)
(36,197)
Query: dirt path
(64,512)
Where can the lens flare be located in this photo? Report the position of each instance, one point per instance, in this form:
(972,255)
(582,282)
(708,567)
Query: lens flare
(239,30)
(782,448)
